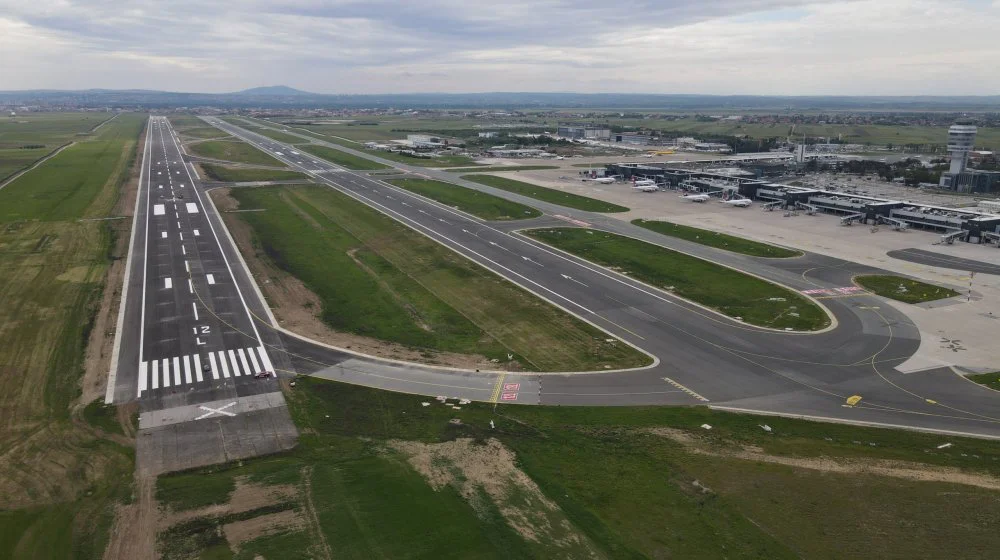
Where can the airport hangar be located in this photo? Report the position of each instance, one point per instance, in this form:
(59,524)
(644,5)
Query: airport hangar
(955,224)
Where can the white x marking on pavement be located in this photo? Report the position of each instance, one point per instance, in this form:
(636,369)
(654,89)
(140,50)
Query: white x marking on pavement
(220,410)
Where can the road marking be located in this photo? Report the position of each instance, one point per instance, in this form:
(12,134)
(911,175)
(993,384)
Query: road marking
(853,400)
(187,267)
(197,368)
(222,362)
(211,278)
(197,233)
(192,208)
(159,210)
(212,411)
(194,306)
(165,370)
(215,366)
(264,360)
(177,370)
(181,233)
(184,251)
(187,369)
(243,360)
(685,389)
(497,388)
(236,364)
(190,286)
(156,374)
(571,279)
(168,283)
(253,360)
(163,234)
(142,377)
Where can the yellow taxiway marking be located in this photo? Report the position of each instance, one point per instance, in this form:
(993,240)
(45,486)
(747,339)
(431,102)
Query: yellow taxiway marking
(497,388)
(685,389)
(853,400)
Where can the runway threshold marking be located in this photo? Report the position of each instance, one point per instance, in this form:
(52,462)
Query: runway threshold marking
(685,389)
(497,388)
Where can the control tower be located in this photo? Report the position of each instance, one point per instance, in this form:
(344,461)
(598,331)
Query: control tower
(961,139)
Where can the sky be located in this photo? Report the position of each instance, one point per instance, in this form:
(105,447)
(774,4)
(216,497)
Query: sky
(766,47)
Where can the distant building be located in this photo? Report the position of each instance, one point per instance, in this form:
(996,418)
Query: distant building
(975,180)
(584,132)
(992,206)
(488,134)
(961,140)
(634,139)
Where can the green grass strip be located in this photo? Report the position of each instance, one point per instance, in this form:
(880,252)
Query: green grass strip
(756,301)
(991,380)
(903,289)
(485,206)
(554,196)
(342,158)
(241,175)
(717,239)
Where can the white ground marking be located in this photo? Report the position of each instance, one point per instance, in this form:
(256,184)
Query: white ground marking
(156,374)
(168,283)
(264,360)
(235,363)
(165,366)
(225,366)
(197,233)
(243,360)
(184,250)
(181,233)
(142,377)
(195,308)
(187,369)
(192,208)
(212,411)
(197,368)
(215,366)
(163,234)
(190,286)
(211,278)
(177,370)
(253,359)
(159,210)
(187,267)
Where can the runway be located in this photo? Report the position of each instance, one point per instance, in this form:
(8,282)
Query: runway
(931,258)
(702,357)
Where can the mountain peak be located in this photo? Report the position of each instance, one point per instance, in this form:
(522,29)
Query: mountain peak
(273,90)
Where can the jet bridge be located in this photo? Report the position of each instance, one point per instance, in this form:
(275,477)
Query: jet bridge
(990,237)
(898,225)
(770,206)
(850,219)
(810,210)
(950,237)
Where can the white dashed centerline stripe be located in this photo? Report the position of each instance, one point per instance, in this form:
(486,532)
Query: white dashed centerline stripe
(184,250)
(194,306)
(187,267)
(190,286)
(168,283)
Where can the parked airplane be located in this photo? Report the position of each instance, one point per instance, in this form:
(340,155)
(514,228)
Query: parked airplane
(738,202)
(696,197)
(603,180)
(645,188)
(644,183)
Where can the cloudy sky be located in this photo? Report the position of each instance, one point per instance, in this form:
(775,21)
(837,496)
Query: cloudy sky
(877,47)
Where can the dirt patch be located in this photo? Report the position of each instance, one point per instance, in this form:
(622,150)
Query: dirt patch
(245,497)
(240,532)
(476,470)
(894,469)
(297,308)
(133,533)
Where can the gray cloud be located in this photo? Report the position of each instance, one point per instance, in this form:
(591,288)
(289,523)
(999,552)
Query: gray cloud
(345,46)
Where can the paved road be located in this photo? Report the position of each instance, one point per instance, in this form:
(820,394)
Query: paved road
(186,333)
(703,358)
(921,256)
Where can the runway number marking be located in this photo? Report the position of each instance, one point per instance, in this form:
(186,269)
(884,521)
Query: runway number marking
(212,411)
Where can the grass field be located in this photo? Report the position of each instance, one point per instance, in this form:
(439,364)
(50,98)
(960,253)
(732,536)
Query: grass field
(728,291)
(239,174)
(485,206)
(61,479)
(573,482)
(717,239)
(379,279)
(554,196)
(232,150)
(991,380)
(496,168)
(902,289)
(191,127)
(342,158)
(26,138)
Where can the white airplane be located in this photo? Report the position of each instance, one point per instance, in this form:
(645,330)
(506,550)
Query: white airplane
(738,202)
(602,180)
(696,197)
(645,188)
(644,183)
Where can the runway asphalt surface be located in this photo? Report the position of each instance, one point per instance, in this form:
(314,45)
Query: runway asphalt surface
(931,258)
(702,357)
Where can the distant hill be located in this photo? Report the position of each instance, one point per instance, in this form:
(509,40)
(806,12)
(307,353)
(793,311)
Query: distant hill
(284,97)
(273,91)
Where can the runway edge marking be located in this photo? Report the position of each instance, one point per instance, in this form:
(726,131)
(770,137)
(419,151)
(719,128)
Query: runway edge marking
(109,393)
(685,389)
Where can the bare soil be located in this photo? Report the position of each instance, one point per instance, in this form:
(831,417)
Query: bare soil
(239,532)
(468,467)
(133,533)
(297,308)
(245,497)
(895,469)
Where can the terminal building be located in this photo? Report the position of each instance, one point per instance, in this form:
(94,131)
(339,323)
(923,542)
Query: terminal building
(584,132)
(969,225)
